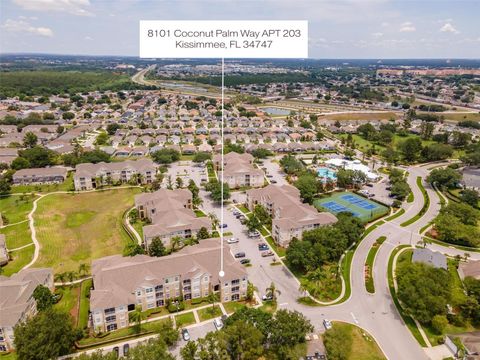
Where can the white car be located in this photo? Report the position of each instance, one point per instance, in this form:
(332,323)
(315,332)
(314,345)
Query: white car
(327,324)
(218,324)
(232,240)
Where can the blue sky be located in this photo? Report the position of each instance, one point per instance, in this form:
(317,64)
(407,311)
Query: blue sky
(337,28)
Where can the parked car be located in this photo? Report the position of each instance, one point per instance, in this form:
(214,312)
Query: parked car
(273,181)
(218,324)
(327,324)
(185,335)
(253,234)
(267,297)
(369,184)
(223,226)
(262,246)
(116,350)
(245,261)
(269,176)
(232,240)
(267,253)
(126,349)
(240,255)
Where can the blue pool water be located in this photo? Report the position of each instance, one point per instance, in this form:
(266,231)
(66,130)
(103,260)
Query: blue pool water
(326,173)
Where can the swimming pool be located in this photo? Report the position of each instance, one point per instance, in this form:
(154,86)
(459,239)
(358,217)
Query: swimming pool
(326,174)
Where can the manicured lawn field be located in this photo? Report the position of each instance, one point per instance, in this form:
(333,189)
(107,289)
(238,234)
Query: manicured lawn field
(19,259)
(233,306)
(185,319)
(77,228)
(209,313)
(15,208)
(366,210)
(69,299)
(82,320)
(364,346)
(17,235)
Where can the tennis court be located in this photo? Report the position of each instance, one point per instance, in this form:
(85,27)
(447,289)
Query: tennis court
(359,206)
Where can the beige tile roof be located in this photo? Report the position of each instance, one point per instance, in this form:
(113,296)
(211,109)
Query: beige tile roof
(15,291)
(116,278)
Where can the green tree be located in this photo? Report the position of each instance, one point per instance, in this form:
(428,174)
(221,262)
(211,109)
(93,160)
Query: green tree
(153,349)
(136,317)
(30,140)
(168,333)
(410,148)
(215,189)
(43,297)
(338,343)
(46,336)
(112,128)
(424,290)
(165,156)
(307,184)
(289,328)
(203,233)
(201,157)
(470,197)
(444,178)
(439,323)
(156,247)
(5,186)
(132,249)
(102,139)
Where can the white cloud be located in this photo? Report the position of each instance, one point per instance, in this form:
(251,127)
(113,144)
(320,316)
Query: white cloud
(20,26)
(88,38)
(75,7)
(407,27)
(377,35)
(449,28)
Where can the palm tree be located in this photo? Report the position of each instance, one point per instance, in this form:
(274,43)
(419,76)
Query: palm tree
(273,292)
(60,277)
(175,242)
(214,219)
(70,275)
(83,269)
(212,298)
(136,316)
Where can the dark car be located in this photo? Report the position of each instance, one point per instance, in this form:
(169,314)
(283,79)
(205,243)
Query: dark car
(245,261)
(262,247)
(273,181)
(185,335)
(240,255)
(126,349)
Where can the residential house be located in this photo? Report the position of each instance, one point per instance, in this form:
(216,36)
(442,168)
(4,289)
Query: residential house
(429,257)
(52,175)
(90,176)
(239,170)
(121,284)
(290,217)
(16,300)
(170,214)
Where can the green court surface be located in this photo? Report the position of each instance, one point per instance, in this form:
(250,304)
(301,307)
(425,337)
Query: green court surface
(366,210)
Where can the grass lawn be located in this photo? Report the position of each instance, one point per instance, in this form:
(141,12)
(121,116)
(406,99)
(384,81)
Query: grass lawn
(394,216)
(19,258)
(138,226)
(185,319)
(67,185)
(243,208)
(369,283)
(364,346)
(17,235)
(327,287)
(8,356)
(209,313)
(82,320)
(77,228)
(233,306)
(269,306)
(278,249)
(146,328)
(426,204)
(68,302)
(199,213)
(15,208)
(361,116)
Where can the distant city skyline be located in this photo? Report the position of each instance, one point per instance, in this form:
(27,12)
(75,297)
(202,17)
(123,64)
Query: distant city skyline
(349,29)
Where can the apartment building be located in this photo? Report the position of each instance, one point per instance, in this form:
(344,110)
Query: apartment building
(170,214)
(120,284)
(239,170)
(290,217)
(53,175)
(16,300)
(90,176)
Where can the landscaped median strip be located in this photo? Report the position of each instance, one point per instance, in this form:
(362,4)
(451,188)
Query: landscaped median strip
(395,215)
(409,321)
(369,283)
(426,204)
